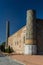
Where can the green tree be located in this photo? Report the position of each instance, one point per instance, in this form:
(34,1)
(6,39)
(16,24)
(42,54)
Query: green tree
(7,50)
(2,47)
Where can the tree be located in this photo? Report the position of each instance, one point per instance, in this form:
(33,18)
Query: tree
(2,47)
(7,50)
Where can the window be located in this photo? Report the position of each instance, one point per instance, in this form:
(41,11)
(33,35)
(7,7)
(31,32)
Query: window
(15,43)
(24,39)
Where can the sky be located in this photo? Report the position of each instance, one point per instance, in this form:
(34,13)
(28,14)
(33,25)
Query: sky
(14,11)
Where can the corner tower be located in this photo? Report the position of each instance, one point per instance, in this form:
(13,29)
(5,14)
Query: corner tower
(30,44)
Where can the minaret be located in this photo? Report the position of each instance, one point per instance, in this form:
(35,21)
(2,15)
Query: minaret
(30,45)
(7,33)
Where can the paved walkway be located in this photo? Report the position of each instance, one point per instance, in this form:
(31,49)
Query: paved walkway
(8,61)
(29,59)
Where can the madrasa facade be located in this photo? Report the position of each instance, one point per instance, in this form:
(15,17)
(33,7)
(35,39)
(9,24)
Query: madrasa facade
(29,39)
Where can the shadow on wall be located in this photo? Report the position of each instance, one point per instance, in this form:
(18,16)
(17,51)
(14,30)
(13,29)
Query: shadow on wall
(40,36)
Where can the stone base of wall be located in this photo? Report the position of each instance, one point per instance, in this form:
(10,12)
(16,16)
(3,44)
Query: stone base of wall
(30,49)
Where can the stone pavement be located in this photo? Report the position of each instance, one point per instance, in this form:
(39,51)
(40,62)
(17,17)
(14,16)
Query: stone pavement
(7,61)
(29,59)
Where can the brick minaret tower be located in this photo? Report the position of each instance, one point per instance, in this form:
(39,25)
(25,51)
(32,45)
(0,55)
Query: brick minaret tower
(30,45)
(7,33)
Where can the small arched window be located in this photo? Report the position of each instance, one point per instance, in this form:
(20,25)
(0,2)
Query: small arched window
(24,39)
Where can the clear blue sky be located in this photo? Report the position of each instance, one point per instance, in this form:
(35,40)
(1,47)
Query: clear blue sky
(15,12)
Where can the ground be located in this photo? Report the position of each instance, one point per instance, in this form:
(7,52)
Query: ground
(8,61)
(13,59)
(29,59)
